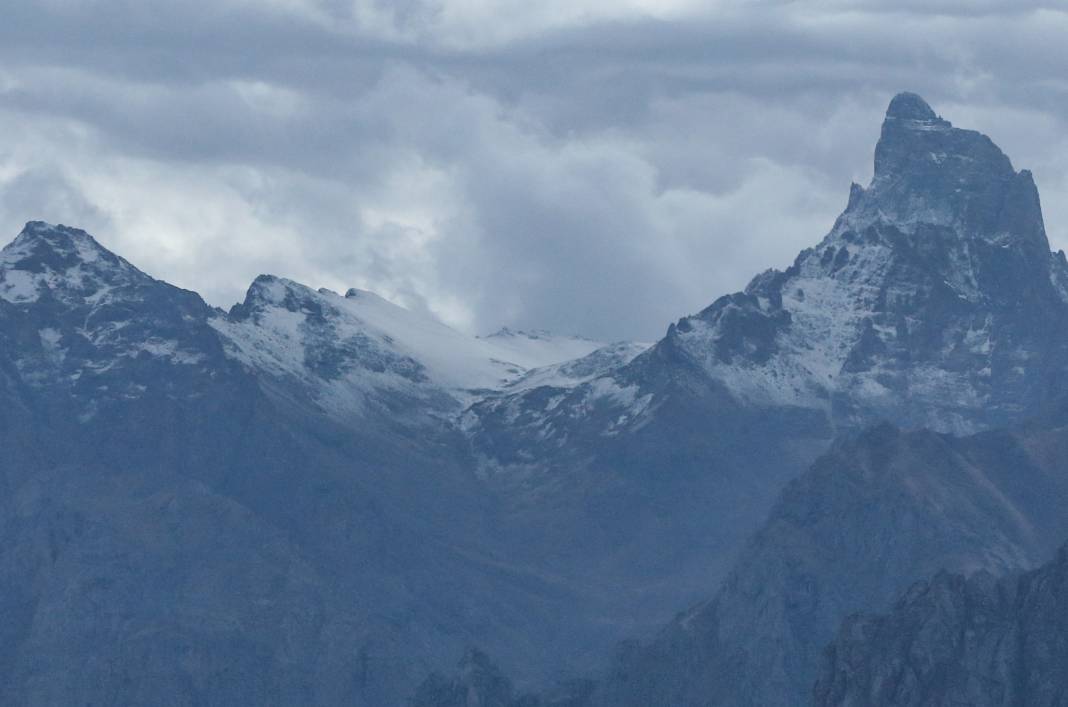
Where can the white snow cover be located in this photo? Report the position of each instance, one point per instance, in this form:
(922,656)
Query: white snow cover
(384,347)
(826,314)
(538,348)
(18,286)
(580,370)
(457,360)
(86,279)
(829,308)
(77,271)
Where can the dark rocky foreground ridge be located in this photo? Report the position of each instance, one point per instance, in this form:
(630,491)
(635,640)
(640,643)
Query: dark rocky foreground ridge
(956,640)
(321,499)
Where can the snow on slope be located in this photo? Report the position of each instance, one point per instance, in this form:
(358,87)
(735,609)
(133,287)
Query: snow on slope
(66,262)
(454,359)
(580,370)
(827,311)
(105,317)
(538,348)
(932,300)
(361,345)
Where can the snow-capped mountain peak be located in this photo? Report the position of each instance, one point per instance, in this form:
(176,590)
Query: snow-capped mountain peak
(360,348)
(66,263)
(936,284)
(342,351)
(52,241)
(101,329)
(929,173)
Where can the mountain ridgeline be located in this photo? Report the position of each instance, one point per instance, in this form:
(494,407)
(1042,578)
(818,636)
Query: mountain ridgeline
(934,303)
(956,640)
(317,498)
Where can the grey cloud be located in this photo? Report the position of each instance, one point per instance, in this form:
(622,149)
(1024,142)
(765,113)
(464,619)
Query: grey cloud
(47,190)
(605,176)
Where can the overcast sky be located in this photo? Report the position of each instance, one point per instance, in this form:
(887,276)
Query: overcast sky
(586,166)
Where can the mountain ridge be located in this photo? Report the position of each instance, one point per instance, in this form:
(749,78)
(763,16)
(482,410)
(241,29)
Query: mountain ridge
(954,639)
(417,491)
(934,302)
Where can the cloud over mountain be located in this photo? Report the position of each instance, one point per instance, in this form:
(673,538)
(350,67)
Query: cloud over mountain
(493,163)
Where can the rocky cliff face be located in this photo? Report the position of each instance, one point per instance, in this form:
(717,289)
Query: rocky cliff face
(954,640)
(932,302)
(929,303)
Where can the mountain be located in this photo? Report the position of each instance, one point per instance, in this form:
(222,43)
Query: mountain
(79,320)
(540,348)
(358,353)
(933,302)
(320,499)
(873,515)
(232,507)
(879,511)
(930,303)
(957,640)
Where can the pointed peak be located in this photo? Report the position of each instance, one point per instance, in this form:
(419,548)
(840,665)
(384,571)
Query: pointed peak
(928,170)
(66,261)
(39,237)
(910,106)
(42,245)
(42,228)
(56,234)
(264,279)
(856,193)
(271,289)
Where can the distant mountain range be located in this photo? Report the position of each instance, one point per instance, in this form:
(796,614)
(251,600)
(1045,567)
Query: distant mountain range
(321,499)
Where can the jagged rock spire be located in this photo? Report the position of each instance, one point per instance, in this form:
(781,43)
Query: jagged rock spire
(929,172)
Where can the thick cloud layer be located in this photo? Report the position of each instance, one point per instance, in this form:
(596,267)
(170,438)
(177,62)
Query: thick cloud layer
(591,167)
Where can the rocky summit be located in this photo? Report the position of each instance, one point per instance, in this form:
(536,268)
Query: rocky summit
(934,300)
(321,498)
